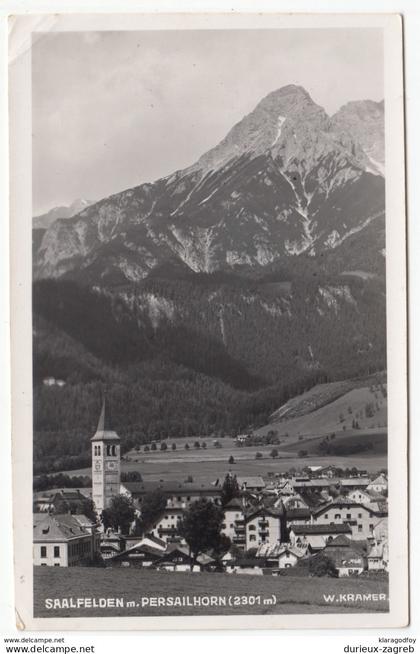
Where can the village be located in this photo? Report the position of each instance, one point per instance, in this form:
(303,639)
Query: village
(317,523)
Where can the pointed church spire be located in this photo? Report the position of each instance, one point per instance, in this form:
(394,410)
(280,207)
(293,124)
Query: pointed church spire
(101,422)
(103,431)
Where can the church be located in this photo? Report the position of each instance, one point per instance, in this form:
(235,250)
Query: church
(105,463)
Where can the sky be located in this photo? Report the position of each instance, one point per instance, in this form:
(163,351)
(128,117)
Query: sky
(111,110)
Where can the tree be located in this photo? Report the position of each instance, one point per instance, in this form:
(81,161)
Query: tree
(173,446)
(258,455)
(204,445)
(322,566)
(132,475)
(231,460)
(154,502)
(163,447)
(197,445)
(201,527)
(186,446)
(153,447)
(146,448)
(230,489)
(274,453)
(302,453)
(119,515)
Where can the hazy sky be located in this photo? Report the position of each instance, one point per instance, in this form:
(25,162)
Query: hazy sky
(114,109)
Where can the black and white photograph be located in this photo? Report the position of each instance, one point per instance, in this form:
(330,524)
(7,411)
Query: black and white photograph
(216,403)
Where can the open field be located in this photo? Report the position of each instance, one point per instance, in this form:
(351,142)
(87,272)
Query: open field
(331,416)
(207,465)
(292,594)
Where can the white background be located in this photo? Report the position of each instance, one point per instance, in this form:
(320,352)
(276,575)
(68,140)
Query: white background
(331,641)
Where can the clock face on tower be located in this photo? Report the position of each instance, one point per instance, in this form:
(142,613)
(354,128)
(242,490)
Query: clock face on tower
(97,465)
(110,465)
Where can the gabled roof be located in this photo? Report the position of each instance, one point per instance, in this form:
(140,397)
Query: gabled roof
(234,503)
(275,512)
(321,529)
(251,482)
(103,430)
(171,487)
(60,527)
(341,503)
(340,541)
(293,514)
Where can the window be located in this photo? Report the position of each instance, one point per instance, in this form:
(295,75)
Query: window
(359,515)
(56,565)
(371,527)
(56,551)
(337,516)
(43,552)
(252,537)
(326,516)
(348,516)
(359,528)
(251,527)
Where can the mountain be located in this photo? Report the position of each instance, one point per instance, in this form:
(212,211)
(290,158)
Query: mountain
(287,180)
(209,298)
(46,220)
(365,120)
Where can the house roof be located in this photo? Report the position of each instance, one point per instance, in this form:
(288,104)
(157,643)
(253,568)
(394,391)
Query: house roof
(312,498)
(275,512)
(234,503)
(251,482)
(356,481)
(341,503)
(59,527)
(103,430)
(248,562)
(170,487)
(292,514)
(321,529)
(274,551)
(141,547)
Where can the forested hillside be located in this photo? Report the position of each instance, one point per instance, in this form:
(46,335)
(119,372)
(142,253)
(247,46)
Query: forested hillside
(181,357)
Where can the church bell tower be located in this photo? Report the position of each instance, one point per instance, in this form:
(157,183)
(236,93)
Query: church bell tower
(105,464)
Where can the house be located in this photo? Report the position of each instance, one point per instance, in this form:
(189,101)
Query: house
(177,558)
(166,525)
(298,516)
(264,525)
(294,501)
(282,555)
(347,557)
(371,499)
(379,485)
(178,494)
(380,530)
(140,555)
(378,556)
(246,566)
(234,522)
(353,483)
(252,484)
(242,438)
(315,537)
(111,544)
(285,488)
(63,540)
(56,499)
(361,519)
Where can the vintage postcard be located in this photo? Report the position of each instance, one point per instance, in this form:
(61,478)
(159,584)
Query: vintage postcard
(208,321)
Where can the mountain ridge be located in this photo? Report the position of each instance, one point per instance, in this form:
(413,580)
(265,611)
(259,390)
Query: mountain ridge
(286,180)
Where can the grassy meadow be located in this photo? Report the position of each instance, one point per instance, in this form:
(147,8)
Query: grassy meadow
(292,594)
